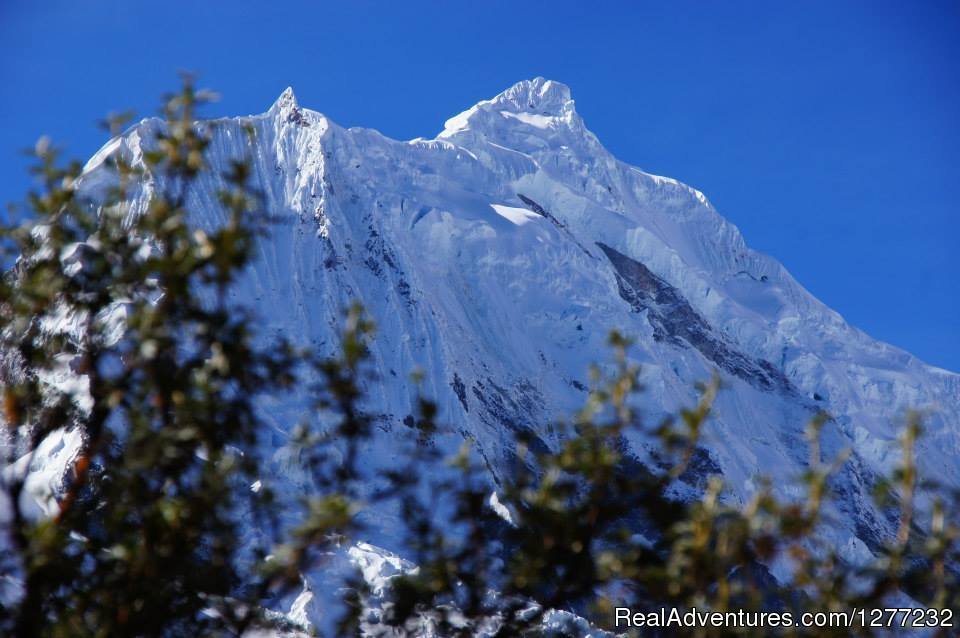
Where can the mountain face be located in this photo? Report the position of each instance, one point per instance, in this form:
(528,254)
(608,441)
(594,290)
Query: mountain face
(496,258)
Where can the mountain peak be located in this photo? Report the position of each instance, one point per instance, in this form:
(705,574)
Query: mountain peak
(539,95)
(286,102)
(539,102)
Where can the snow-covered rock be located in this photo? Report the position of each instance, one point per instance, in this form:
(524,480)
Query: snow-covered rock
(497,256)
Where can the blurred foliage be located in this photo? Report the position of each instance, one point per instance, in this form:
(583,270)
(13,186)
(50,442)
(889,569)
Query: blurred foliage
(143,539)
(591,529)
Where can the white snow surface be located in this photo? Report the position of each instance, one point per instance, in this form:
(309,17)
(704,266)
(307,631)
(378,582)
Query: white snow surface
(478,254)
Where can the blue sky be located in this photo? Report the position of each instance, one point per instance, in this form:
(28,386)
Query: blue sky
(829,132)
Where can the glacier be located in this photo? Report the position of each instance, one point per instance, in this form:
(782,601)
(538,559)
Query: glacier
(497,256)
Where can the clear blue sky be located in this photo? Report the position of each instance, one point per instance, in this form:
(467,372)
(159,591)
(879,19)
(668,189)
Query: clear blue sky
(829,132)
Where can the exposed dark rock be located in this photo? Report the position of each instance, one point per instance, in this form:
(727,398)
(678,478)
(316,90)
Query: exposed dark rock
(297,117)
(675,321)
(699,469)
(516,410)
(461,391)
(578,385)
(378,254)
(540,210)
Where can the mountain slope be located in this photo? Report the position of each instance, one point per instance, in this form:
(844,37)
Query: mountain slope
(497,256)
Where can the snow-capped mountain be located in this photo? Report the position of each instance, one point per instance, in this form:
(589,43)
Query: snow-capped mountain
(497,256)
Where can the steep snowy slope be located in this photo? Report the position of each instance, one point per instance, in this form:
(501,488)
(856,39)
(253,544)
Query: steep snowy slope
(497,256)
